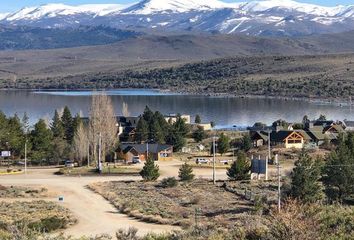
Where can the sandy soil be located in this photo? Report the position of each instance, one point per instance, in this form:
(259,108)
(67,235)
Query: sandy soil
(95,215)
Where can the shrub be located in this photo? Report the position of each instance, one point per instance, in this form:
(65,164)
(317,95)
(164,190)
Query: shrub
(239,169)
(150,171)
(169,182)
(186,172)
(130,234)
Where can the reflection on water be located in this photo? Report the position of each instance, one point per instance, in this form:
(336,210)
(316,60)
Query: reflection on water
(225,111)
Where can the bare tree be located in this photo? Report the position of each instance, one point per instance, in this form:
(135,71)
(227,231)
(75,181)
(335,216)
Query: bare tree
(103,124)
(125,110)
(81,143)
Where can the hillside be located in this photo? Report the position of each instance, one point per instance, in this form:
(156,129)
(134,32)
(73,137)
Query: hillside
(323,77)
(22,38)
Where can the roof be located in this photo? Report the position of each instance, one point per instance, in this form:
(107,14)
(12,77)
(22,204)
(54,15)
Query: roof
(280,136)
(141,148)
(349,123)
(321,133)
(260,134)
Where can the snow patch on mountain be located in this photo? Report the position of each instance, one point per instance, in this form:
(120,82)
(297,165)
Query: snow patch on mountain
(54,10)
(3,15)
(177,6)
(253,17)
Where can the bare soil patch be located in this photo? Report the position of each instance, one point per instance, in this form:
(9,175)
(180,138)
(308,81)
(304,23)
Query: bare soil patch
(195,203)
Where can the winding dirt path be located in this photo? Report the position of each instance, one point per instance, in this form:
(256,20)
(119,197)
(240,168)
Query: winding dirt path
(95,214)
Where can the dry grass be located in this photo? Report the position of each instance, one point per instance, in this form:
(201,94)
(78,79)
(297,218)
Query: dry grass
(22,192)
(199,201)
(39,215)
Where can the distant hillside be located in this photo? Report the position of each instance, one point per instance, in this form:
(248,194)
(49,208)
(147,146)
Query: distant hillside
(327,76)
(18,38)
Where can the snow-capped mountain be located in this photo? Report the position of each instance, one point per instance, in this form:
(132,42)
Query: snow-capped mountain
(3,15)
(269,17)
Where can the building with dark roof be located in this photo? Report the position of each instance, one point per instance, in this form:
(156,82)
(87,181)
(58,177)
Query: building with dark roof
(159,152)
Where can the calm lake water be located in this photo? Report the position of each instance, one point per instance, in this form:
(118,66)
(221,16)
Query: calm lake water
(225,111)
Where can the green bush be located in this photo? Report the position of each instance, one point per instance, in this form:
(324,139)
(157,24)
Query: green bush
(186,172)
(49,224)
(169,182)
(150,171)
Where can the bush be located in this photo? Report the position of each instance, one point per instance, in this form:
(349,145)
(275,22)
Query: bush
(150,171)
(49,224)
(239,169)
(169,182)
(186,172)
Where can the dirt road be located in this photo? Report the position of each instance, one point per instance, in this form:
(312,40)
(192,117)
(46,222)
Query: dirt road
(95,215)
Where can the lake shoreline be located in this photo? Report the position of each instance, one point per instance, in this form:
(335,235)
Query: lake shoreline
(321,101)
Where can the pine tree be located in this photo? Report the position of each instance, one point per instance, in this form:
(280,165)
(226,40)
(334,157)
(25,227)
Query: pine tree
(77,121)
(156,133)
(41,138)
(142,131)
(198,120)
(305,179)
(67,121)
(176,140)
(177,133)
(150,171)
(60,148)
(57,126)
(339,171)
(148,115)
(240,169)
(186,172)
(246,143)
(223,144)
(16,138)
(199,134)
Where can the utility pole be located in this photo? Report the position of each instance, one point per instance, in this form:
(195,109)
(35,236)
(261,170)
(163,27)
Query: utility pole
(147,150)
(88,154)
(214,156)
(279,181)
(99,154)
(26,156)
(269,153)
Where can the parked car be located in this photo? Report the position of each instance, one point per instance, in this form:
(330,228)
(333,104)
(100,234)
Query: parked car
(69,164)
(201,161)
(225,161)
(136,160)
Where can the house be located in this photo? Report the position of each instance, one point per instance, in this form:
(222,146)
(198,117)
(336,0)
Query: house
(322,133)
(127,127)
(287,138)
(348,125)
(159,152)
(259,138)
(204,126)
(200,147)
(290,139)
(172,118)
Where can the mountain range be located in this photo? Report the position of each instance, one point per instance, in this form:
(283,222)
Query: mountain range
(258,18)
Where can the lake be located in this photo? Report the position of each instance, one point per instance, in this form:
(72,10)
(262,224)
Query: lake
(224,111)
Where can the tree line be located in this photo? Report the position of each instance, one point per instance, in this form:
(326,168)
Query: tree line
(64,136)
(153,127)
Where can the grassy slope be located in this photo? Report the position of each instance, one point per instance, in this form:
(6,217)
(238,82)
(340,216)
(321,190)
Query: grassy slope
(192,63)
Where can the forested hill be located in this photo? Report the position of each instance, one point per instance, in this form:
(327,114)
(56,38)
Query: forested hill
(326,76)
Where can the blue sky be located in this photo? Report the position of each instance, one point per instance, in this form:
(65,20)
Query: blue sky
(12,5)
